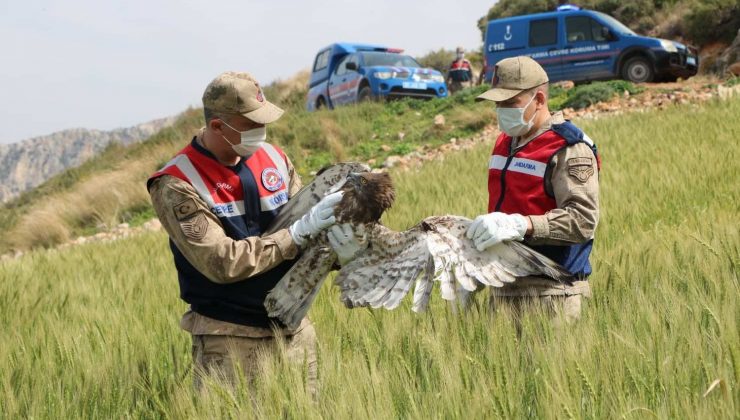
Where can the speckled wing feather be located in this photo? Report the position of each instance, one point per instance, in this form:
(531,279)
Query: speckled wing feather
(383,274)
(328,180)
(291,298)
(434,250)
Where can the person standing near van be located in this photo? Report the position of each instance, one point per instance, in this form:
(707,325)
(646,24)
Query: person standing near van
(215,198)
(460,73)
(543,188)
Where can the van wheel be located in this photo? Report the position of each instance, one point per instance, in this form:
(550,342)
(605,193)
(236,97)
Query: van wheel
(320,103)
(637,70)
(365,94)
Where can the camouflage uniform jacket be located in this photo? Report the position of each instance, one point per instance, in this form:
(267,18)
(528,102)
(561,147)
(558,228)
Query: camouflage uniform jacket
(216,255)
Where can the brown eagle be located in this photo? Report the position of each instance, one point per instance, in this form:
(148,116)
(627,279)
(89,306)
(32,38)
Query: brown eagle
(436,249)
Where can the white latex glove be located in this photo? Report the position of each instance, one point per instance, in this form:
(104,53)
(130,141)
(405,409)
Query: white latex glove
(489,229)
(344,242)
(320,217)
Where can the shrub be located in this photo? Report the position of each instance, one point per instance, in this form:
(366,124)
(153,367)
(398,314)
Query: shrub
(558,96)
(636,13)
(439,59)
(710,20)
(402,148)
(586,95)
(623,85)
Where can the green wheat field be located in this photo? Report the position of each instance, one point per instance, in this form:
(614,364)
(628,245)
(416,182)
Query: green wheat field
(92,331)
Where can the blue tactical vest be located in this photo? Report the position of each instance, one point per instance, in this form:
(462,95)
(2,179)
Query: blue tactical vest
(245,198)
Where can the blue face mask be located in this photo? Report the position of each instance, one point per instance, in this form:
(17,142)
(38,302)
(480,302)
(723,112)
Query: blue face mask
(511,120)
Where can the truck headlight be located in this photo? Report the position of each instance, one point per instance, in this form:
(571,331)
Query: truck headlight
(668,45)
(383,74)
(438,78)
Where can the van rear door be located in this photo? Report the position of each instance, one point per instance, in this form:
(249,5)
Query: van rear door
(589,54)
(504,38)
(545,45)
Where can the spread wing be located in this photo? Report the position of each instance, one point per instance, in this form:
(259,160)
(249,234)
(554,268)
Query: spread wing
(291,298)
(328,180)
(435,250)
(383,274)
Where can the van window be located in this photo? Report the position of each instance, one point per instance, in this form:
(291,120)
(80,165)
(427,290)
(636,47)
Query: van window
(543,32)
(342,67)
(322,60)
(583,28)
(615,24)
(354,58)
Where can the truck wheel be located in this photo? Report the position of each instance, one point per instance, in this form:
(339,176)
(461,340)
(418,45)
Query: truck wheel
(320,103)
(637,70)
(365,94)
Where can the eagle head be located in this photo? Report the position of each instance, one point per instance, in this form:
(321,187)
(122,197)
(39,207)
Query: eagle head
(366,196)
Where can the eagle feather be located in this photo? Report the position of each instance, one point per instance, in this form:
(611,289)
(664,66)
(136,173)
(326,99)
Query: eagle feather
(435,250)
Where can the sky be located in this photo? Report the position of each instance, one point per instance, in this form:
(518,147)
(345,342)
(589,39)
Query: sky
(109,64)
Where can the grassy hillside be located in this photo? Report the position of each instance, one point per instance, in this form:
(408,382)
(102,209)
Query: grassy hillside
(92,331)
(110,189)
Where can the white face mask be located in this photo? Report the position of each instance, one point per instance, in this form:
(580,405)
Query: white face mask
(511,120)
(251,140)
(460,56)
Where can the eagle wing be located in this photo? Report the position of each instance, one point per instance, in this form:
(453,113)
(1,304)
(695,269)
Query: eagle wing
(293,295)
(383,274)
(435,250)
(290,299)
(328,180)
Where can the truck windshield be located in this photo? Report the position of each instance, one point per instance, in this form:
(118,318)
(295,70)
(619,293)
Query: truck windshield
(615,24)
(388,59)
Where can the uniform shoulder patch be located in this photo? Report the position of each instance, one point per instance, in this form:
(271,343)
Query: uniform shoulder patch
(195,227)
(185,209)
(581,168)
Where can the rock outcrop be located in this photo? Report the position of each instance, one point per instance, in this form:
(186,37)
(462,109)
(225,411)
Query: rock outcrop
(27,164)
(728,62)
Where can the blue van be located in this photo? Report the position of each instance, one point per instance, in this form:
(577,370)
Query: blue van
(347,73)
(582,45)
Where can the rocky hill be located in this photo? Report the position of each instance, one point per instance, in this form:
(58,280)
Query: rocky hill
(27,164)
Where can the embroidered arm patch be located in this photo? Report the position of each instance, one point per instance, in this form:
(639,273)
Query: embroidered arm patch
(195,227)
(581,168)
(185,209)
(192,222)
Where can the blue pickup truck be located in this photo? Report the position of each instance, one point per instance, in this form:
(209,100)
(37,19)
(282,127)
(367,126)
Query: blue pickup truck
(581,45)
(348,73)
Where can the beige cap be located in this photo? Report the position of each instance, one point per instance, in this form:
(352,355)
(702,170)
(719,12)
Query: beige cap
(239,93)
(460,50)
(512,76)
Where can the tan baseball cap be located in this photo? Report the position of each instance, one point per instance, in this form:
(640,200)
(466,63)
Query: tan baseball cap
(512,76)
(239,93)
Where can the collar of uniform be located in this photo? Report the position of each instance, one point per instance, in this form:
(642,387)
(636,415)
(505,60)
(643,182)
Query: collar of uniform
(555,118)
(198,144)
